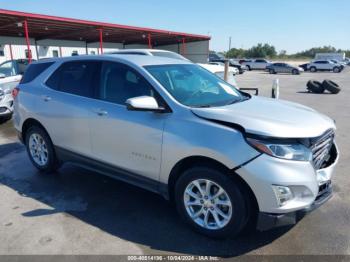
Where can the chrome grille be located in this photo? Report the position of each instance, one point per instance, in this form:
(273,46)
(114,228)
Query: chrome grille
(321,147)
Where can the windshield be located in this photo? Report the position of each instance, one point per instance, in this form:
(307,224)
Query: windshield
(230,79)
(168,55)
(194,86)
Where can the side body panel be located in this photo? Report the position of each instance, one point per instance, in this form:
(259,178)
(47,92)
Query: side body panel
(131,140)
(188,135)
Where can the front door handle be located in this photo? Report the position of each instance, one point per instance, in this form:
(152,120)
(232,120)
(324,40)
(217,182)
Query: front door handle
(46,98)
(101,112)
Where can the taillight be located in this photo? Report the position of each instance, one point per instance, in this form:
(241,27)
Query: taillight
(15,92)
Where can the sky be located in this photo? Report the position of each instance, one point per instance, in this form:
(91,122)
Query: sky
(288,25)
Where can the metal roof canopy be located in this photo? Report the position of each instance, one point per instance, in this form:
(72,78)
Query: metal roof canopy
(12,23)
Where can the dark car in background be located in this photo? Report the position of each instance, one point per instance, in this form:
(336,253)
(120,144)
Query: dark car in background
(304,66)
(215,58)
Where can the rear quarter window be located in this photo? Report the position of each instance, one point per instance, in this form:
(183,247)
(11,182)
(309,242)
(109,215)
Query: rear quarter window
(76,77)
(33,71)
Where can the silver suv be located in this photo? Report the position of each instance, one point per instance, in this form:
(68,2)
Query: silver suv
(324,65)
(227,159)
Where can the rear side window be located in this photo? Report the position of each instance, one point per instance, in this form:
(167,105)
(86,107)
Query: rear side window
(32,71)
(78,78)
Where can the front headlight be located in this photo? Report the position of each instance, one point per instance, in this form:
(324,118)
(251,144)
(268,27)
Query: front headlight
(290,151)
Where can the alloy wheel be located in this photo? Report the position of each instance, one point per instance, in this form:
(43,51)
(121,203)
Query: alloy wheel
(38,149)
(207,204)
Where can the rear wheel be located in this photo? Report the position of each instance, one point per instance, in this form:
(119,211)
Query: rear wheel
(336,69)
(271,71)
(211,202)
(4,119)
(40,150)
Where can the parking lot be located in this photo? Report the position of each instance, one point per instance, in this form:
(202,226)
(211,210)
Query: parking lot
(76,211)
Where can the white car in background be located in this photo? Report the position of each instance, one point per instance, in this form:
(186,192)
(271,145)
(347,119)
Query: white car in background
(234,69)
(11,72)
(219,70)
(149,52)
(324,65)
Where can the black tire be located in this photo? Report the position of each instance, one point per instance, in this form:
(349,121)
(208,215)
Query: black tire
(331,86)
(271,71)
(240,211)
(248,67)
(295,72)
(313,69)
(336,69)
(315,87)
(52,163)
(4,119)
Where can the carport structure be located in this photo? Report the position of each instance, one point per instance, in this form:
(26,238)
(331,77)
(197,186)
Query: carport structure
(41,27)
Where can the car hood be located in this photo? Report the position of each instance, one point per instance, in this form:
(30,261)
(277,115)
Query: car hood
(270,117)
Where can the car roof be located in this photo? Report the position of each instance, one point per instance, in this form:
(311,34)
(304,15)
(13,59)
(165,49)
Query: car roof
(138,60)
(139,50)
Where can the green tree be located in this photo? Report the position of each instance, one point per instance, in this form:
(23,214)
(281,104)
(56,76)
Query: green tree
(235,53)
(261,51)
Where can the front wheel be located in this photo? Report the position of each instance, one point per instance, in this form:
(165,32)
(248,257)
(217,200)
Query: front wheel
(210,202)
(40,150)
(313,69)
(295,72)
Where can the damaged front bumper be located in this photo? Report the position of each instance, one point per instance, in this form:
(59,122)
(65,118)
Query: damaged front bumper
(268,221)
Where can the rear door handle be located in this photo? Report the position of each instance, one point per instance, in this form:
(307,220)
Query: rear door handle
(46,98)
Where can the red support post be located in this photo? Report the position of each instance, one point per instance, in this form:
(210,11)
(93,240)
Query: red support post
(101,40)
(149,41)
(183,46)
(11,54)
(27,40)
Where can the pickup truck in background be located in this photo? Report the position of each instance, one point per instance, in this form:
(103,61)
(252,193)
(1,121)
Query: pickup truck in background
(256,64)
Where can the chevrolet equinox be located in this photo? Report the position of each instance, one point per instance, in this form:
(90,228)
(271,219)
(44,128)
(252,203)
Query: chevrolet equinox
(227,159)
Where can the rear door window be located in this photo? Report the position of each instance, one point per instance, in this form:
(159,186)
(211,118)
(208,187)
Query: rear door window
(77,77)
(33,71)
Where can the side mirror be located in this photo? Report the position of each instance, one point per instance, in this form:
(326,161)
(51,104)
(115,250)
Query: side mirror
(143,103)
(2,75)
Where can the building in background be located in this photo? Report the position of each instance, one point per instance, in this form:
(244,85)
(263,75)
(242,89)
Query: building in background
(35,36)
